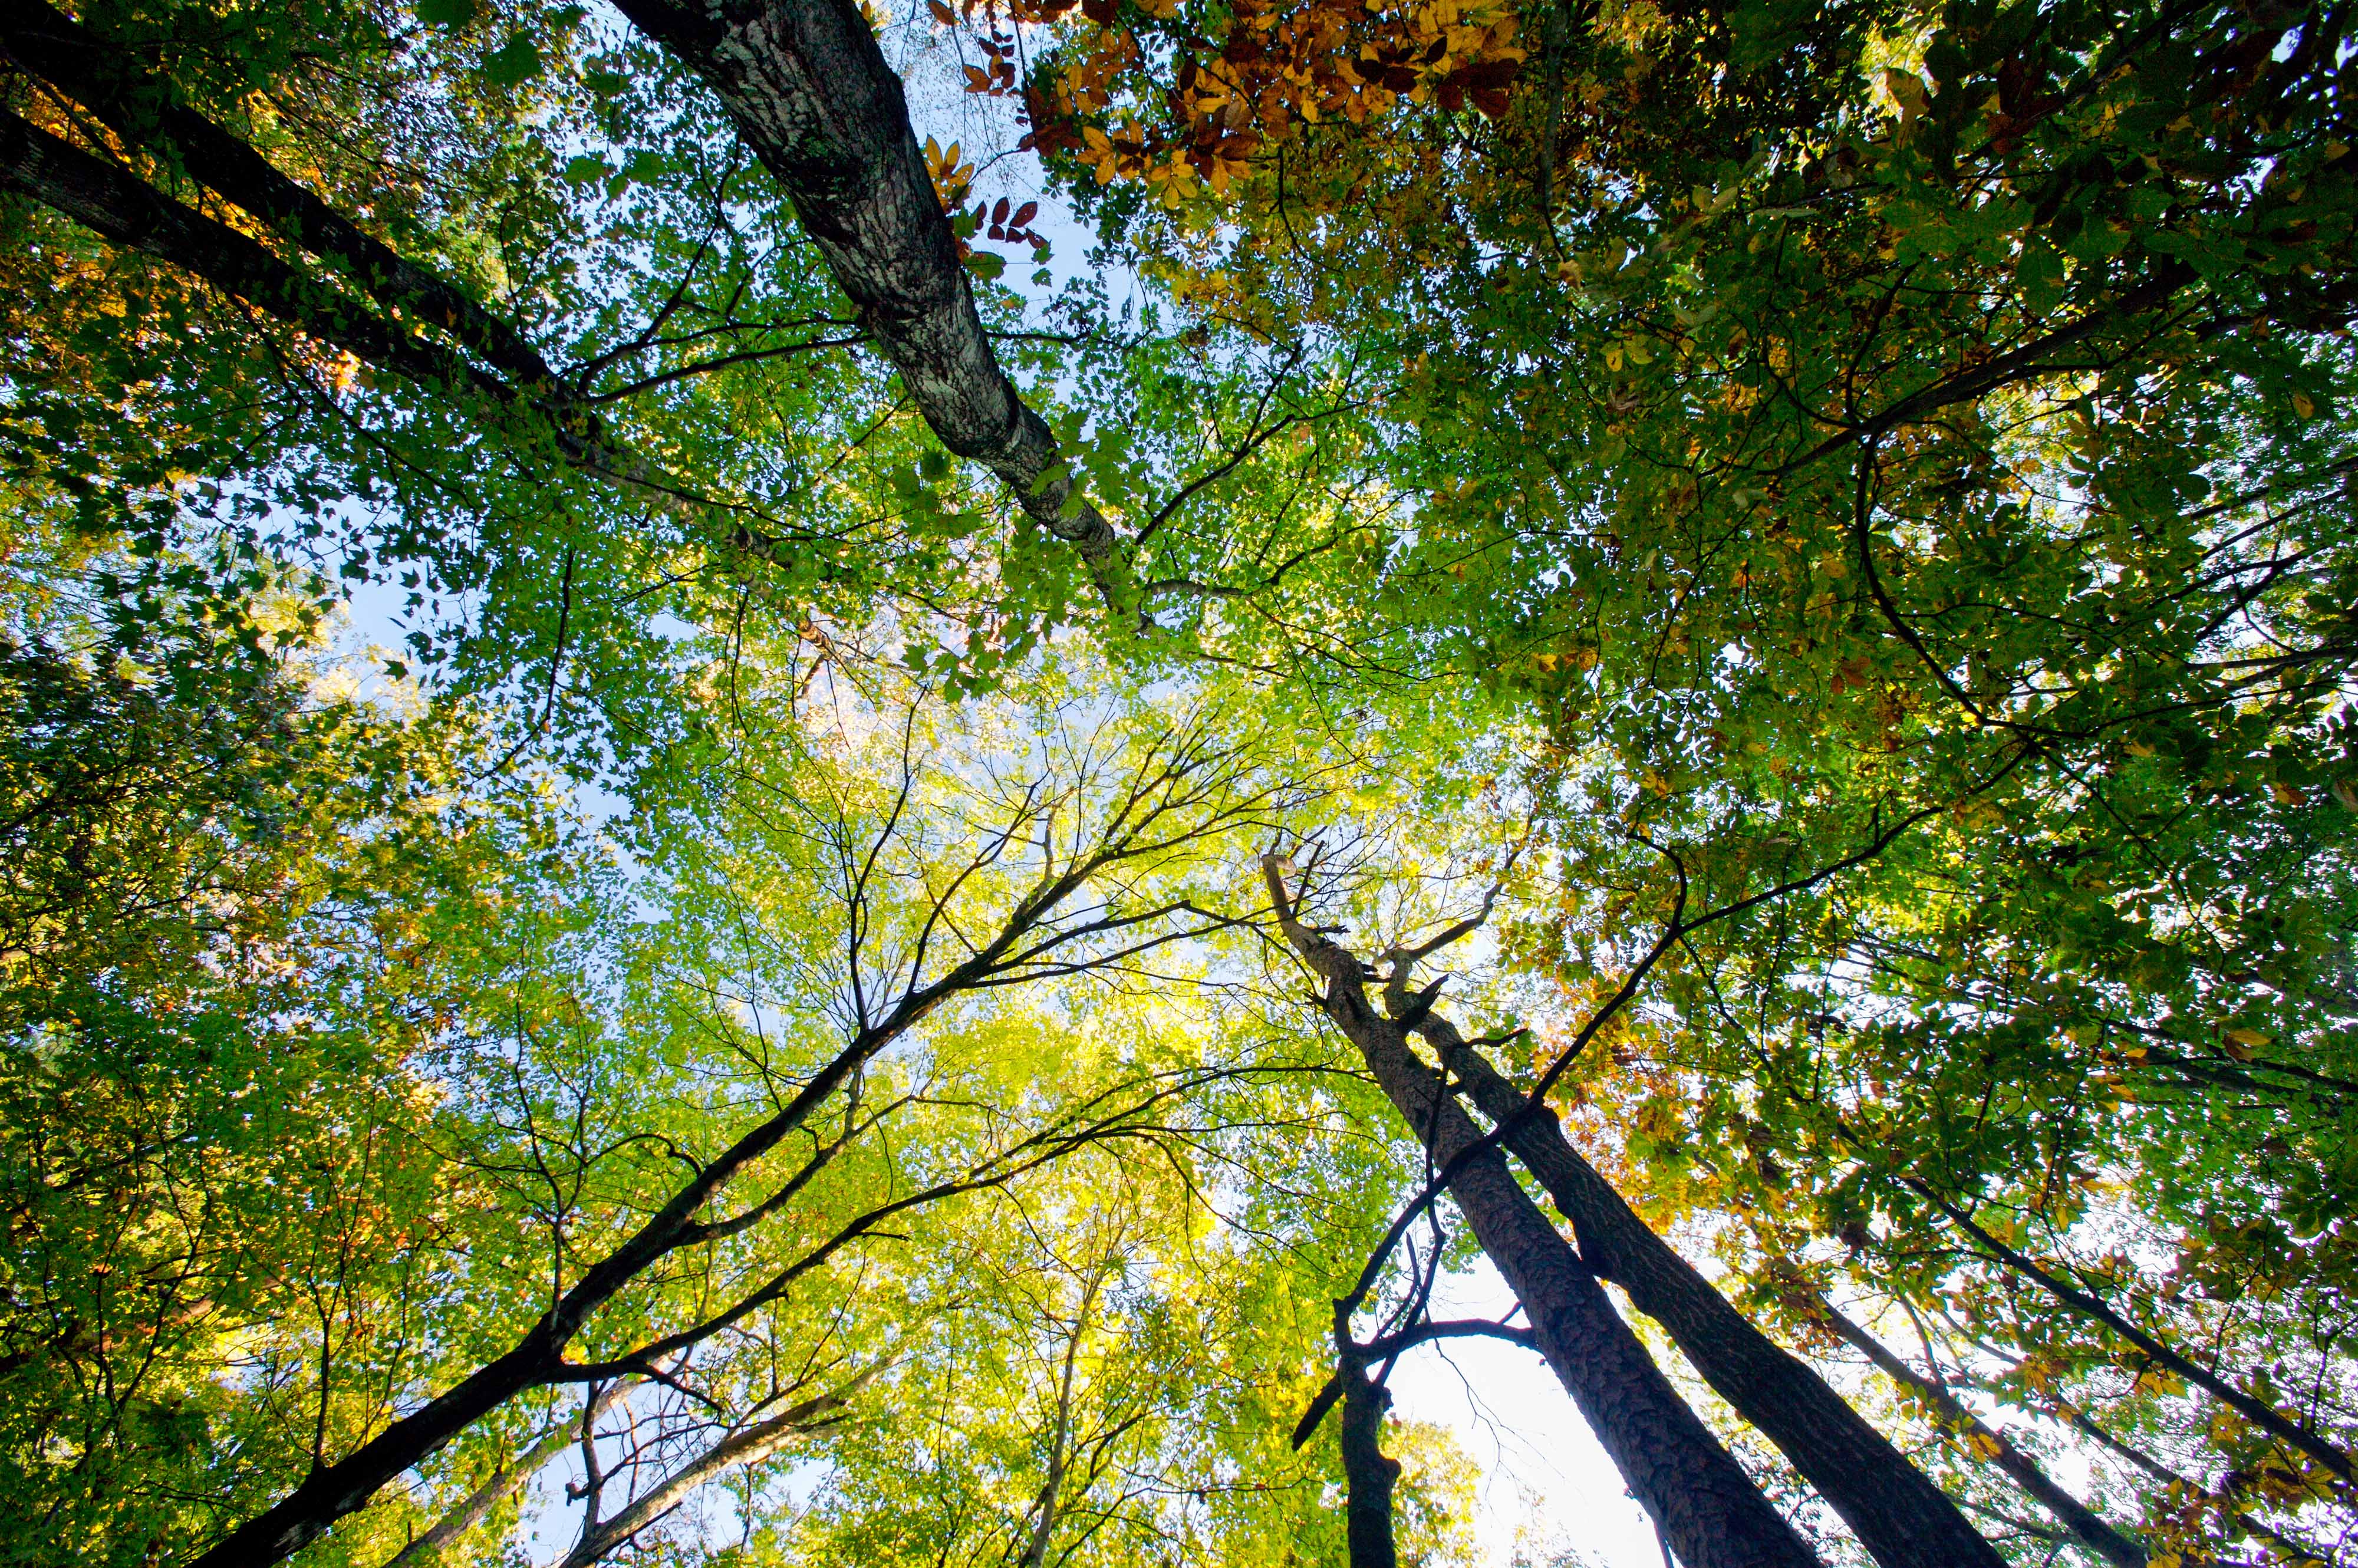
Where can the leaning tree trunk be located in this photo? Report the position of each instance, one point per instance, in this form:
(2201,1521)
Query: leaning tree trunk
(2074,1515)
(812,95)
(1712,1514)
(1898,1513)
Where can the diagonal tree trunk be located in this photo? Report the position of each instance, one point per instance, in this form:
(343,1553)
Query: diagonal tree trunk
(427,1548)
(812,95)
(749,1445)
(105,198)
(2075,1516)
(100,75)
(1902,1519)
(112,203)
(1712,1514)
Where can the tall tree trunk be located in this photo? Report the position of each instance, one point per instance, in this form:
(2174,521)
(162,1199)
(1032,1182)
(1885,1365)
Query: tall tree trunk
(601,1539)
(812,95)
(101,74)
(1897,1512)
(2287,1430)
(2075,1516)
(330,1493)
(1368,1473)
(1714,1515)
(424,1549)
(105,198)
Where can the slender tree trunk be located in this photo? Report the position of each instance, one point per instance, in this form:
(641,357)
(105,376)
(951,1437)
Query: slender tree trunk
(812,95)
(468,1514)
(101,74)
(330,1493)
(1035,1554)
(101,197)
(2285,1429)
(2075,1516)
(113,203)
(1897,1512)
(753,1444)
(1712,1514)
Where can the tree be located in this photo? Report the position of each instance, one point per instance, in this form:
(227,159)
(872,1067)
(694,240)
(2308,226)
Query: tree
(1847,504)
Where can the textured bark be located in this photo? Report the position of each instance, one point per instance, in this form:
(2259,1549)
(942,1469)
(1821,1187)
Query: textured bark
(811,92)
(1368,1473)
(1711,1513)
(104,198)
(1897,1512)
(2074,1515)
(99,75)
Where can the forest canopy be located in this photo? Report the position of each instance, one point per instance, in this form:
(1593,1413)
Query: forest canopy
(795,782)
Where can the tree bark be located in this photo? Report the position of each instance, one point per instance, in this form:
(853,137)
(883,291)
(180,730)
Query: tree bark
(2074,1515)
(1712,1514)
(98,74)
(110,202)
(813,96)
(470,1513)
(1368,1473)
(1901,1518)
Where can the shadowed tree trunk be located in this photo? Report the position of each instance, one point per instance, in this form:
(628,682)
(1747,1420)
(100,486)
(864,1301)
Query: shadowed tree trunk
(1368,1473)
(2075,1516)
(1899,1514)
(100,75)
(1714,1515)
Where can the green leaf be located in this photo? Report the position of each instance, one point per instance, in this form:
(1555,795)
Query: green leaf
(986,265)
(516,62)
(445,13)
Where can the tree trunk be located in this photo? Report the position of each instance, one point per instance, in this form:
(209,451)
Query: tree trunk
(2076,1516)
(426,1548)
(101,197)
(2285,1429)
(814,98)
(750,1446)
(1897,1512)
(1714,1515)
(100,75)
(1368,1473)
(335,1490)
